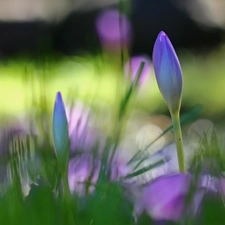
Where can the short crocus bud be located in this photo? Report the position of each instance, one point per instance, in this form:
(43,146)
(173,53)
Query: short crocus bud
(168,72)
(60,133)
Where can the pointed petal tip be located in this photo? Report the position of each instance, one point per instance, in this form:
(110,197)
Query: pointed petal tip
(58,99)
(162,33)
(58,95)
(162,36)
(59,108)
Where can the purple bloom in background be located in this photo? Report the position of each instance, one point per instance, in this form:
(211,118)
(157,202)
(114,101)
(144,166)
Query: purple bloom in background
(210,200)
(77,117)
(180,196)
(83,137)
(114,29)
(213,184)
(132,67)
(222,186)
(168,72)
(82,173)
(60,133)
(164,198)
(119,169)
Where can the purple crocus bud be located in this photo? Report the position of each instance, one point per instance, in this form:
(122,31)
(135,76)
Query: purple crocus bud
(168,72)
(60,133)
(132,67)
(114,29)
(164,198)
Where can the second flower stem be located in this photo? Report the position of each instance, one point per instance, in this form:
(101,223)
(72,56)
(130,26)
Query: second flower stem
(179,141)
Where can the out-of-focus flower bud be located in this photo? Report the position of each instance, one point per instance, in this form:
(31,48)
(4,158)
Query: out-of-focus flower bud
(60,133)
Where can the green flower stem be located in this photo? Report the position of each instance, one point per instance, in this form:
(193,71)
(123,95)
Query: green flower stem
(66,187)
(68,201)
(179,141)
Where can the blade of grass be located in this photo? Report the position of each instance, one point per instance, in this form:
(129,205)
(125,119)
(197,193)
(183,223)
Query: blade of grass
(187,118)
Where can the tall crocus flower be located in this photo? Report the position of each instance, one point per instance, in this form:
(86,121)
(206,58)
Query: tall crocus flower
(169,78)
(60,134)
(168,72)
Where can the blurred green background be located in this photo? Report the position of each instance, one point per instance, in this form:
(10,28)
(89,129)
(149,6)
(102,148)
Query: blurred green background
(92,79)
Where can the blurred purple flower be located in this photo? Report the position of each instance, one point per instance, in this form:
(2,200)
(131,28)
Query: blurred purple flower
(77,117)
(164,198)
(213,184)
(9,137)
(83,137)
(83,174)
(114,29)
(84,171)
(119,169)
(132,66)
(178,196)
(168,71)
(210,200)
(222,186)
